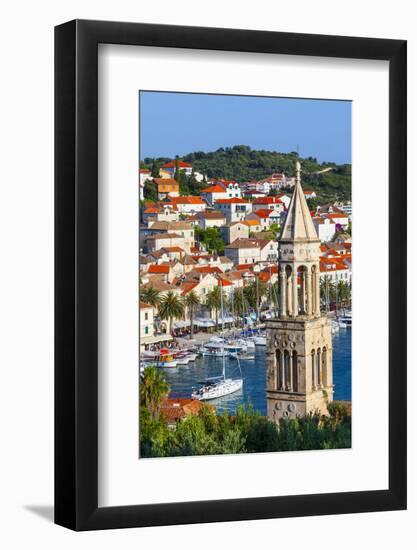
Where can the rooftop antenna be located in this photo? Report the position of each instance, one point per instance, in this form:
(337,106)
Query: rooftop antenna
(298,172)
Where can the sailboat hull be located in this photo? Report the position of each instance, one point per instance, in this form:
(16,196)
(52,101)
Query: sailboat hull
(218,389)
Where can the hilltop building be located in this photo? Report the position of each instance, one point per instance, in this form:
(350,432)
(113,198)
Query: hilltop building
(299,343)
(167,187)
(183,166)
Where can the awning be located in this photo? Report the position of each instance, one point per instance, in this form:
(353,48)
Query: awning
(228,319)
(145,340)
(204,323)
(181,324)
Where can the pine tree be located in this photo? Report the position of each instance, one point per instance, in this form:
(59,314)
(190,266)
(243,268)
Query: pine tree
(177,173)
(155,169)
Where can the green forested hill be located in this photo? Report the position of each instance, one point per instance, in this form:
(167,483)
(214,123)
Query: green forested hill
(241,163)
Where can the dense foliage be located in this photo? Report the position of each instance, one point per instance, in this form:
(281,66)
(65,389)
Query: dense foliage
(242,164)
(210,238)
(246,432)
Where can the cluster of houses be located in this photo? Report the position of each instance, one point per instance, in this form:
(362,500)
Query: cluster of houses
(173,259)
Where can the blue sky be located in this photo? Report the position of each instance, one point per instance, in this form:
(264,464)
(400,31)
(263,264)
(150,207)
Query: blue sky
(178,123)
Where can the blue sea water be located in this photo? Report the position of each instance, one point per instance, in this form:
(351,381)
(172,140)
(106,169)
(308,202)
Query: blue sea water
(185,377)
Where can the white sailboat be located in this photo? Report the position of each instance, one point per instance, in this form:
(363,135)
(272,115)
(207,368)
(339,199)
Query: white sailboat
(219,386)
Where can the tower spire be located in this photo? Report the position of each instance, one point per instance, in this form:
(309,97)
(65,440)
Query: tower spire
(298,224)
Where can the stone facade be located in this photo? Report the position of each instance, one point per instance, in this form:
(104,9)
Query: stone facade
(299,359)
(299,343)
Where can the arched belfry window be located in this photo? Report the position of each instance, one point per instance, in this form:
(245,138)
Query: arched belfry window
(313,368)
(295,371)
(319,368)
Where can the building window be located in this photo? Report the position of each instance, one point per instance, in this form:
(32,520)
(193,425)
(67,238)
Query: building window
(146,330)
(146,316)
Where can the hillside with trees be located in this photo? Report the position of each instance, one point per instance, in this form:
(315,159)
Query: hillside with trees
(240,163)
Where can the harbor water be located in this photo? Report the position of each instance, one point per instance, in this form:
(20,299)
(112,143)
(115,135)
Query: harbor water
(183,378)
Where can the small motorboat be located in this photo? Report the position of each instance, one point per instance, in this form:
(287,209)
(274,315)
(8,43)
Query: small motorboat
(246,356)
(166,359)
(260,340)
(344,322)
(214,352)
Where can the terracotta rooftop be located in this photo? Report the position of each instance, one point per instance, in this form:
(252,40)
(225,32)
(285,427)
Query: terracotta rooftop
(247,243)
(161,286)
(172,164)
(265,213)
(187,287)
(214,189)
(173,410)
(251,222)
(211,215)
(234,200)
(187,200)
(155,268)
(223,282)
(267,200)
(173,249)
(208,269)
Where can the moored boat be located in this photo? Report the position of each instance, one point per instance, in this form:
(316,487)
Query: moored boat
(260,340)
(213,388)
(219,386)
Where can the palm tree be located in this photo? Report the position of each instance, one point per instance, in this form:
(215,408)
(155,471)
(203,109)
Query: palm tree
(327,291)
(254,294)
(171,307)
(343,292)
(191,301)
(214,301)
(238,302)
(276,294)
(153,389)
(150,296)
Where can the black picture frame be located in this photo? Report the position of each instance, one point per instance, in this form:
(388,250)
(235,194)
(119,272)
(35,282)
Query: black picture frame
(76,272)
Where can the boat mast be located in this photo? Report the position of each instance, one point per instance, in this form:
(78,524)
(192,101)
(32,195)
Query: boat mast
(336,299)
(221,309)
(233,315)
(257,300)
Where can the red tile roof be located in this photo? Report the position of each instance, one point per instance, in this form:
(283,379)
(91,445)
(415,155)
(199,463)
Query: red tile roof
(142,305)
(155,268)
(265,213)
(267,200)
(332,264)
(271,269)
(234,200)
(181,164)
(187,200)
(173,409)
(214,189)
(224,282)
(151,211)
(213,215)
(335,215)
(208,269)
(173,249)
(187,287)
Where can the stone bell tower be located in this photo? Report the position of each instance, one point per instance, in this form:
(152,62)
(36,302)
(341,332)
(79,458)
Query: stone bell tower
(299,343)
